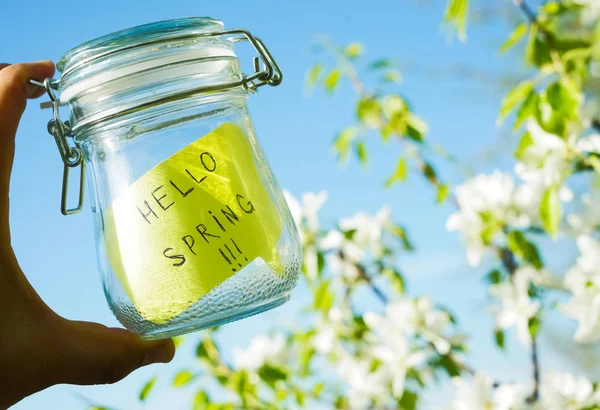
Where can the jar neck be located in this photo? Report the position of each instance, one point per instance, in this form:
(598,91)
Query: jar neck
(160,115)
(159,85)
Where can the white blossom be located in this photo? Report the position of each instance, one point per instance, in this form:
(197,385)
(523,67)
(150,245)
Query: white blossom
(587,218)
(516,306)
(327,330)
(487,199)
(368,229)
(563,391)
(307,212)
(364,385)
(342,254)
(591,12)
(479,393)
(262,350)
(324,339)
(583,280)
(413,317)
(544,162)
(306,217)
(588,144)
(388,336)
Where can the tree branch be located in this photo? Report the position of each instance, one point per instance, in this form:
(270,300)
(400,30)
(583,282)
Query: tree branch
(511,265)
(535,394)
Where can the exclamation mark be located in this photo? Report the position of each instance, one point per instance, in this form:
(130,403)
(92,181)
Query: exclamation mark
(224,256)
(233,256)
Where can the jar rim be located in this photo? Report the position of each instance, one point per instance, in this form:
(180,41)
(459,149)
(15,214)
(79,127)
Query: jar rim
(126,38)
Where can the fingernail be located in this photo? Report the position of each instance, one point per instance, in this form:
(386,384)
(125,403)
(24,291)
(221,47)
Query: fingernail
(158,354)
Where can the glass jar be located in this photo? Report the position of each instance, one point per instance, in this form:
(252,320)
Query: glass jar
(192,229)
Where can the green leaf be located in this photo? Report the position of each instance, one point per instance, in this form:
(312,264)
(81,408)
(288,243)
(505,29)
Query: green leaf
(416,128)
(281,394)
(524,249)
(526,142)
(551,210)
(361,152)
(300,397)
(393,104)
(534,326)
(552,7)
(491,227)
(401,233)
(396,279)
(514,97)
(314,74)
(305,360)
(201,400)
(271,374)
(353,50)
(456,15)
(577,54)
(499,338)
(177,340)
(368,111)
(240,382)
(408,401)
(381,63)
(182,378)
(342,142)
(221,406)
(429,173)
(206,350)
(564,97)
(393,76)
(332,80)
(342,403)
(324,297)
(222,374)
(449,365)
(514,37)
(528,108)
(537,52)
(442,193)
(320,262)
(146,389)
(386,130)
(399,174)
(594,162)
(494,277)
(318,389)
(415,375)
(349,233)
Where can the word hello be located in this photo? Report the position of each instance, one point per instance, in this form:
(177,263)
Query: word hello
(208,163)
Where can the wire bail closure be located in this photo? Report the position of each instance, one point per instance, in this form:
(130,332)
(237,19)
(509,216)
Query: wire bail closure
(71,154)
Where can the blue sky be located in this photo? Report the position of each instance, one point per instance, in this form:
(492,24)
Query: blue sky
(58,255)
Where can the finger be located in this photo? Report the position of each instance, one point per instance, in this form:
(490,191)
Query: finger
(14,91)
(89,353)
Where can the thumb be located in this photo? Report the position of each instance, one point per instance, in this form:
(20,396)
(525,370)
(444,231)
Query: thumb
(90,353)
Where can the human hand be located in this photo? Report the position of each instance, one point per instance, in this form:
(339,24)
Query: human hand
(38,348)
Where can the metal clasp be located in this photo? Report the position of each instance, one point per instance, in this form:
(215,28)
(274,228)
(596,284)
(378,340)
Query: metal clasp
(72,156)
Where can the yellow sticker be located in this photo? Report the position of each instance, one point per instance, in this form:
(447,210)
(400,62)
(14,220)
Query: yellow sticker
(190,223)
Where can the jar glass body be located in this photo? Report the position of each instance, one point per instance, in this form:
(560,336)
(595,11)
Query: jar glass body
(192,229)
